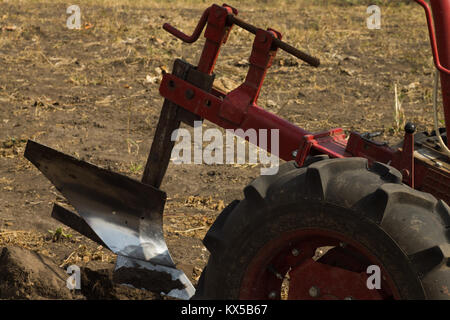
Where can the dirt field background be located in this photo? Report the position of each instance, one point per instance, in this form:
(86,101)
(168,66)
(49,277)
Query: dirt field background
(93,93)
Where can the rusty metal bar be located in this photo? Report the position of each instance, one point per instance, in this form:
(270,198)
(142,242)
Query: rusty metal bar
(169,120)
(278,43)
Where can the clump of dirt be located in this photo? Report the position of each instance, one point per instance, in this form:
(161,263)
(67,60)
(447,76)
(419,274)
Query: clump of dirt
(26,274)
(147,279)
(103,285)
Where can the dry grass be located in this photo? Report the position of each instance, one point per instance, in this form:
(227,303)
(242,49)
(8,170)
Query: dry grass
(26,239)
(41,243)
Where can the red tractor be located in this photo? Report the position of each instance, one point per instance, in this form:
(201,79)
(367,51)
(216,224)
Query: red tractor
(368,208)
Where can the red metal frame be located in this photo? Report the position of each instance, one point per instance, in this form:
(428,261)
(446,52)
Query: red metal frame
(265,273)
(239,109)
(440,46)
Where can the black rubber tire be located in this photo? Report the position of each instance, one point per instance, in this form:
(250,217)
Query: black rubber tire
(408,231)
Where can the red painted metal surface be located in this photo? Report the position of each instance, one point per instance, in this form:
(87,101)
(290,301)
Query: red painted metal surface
(439,29)
(216,34)
(401,159)
(404,159)
(434,183)
(440,11)
(266,272)
(333,284)
(208,106)
(238,109)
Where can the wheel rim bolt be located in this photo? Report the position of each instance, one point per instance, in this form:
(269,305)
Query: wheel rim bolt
(272,295)
(314,291)
(295,252)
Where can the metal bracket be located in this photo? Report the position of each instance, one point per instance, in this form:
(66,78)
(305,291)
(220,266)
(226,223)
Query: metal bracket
(169,120)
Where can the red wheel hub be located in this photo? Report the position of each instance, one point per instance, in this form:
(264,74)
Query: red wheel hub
(291,267)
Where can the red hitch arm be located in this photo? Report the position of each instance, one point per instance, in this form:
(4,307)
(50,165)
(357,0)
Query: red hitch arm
(238,109)
(231,20)
(278,43)
(197,32)
(432,32)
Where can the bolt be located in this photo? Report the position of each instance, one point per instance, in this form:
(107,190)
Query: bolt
(189,94)
(314,291)
(410,128)
(295,252)
(342,244)
(438,164)
(348,298)
(405,173)
(275,272)
(272,295)
(294,154)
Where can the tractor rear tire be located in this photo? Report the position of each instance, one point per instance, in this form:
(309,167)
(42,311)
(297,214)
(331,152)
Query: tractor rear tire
(405,230)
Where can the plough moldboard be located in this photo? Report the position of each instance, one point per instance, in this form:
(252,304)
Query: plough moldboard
(123,214)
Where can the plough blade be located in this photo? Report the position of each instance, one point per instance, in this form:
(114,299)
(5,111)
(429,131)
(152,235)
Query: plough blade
(75,222)
(180,287)
(124,213)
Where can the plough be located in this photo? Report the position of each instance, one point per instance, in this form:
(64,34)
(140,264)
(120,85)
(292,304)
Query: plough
(362,204)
